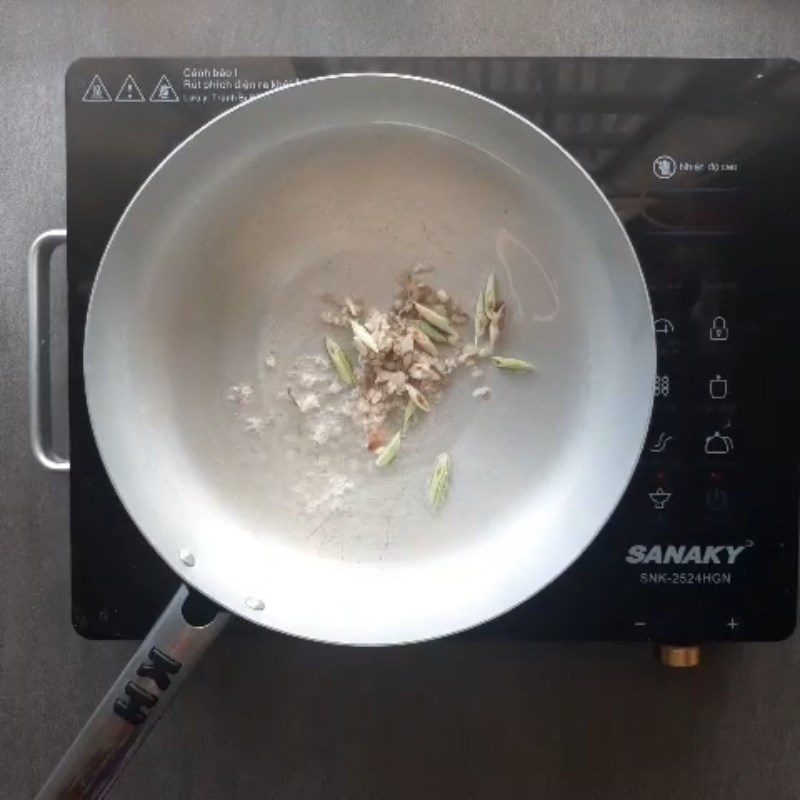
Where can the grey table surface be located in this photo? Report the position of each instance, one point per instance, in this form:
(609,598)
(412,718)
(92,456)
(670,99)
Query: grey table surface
(276,718)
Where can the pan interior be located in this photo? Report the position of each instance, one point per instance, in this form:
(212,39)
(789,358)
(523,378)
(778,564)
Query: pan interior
(227,266)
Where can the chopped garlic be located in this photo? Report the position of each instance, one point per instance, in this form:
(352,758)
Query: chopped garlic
(308,403)
(254,424)
(241,394)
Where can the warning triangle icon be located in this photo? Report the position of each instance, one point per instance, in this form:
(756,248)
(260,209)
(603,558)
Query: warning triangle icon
(96,92)
(129,92)
(164,92)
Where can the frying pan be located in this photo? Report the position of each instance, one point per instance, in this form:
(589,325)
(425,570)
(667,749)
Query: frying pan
(337,185)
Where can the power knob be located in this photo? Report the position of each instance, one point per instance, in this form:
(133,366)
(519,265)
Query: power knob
(680,657)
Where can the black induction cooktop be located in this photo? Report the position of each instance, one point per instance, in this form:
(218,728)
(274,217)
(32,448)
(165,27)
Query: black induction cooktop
(701,159)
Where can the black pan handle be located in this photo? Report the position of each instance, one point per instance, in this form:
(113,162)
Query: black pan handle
(133,705)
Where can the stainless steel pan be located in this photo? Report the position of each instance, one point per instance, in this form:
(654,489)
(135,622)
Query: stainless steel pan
(338,184)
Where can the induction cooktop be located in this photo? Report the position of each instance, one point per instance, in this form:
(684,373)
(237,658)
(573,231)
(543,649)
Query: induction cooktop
(701,160)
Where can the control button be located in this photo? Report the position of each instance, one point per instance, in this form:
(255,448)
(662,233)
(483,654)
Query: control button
(659,444)
(639,623)
(718,444)
(664,325)
(719,331)
(660,498)
(732,623)
(664,167)
(662,386)
(717,499)
(718,388)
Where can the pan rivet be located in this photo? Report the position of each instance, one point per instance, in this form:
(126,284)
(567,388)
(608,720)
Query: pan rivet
(187,556)
(254,603)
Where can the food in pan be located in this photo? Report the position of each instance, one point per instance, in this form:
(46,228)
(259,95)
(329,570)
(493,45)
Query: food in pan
(389,366)
(406,355)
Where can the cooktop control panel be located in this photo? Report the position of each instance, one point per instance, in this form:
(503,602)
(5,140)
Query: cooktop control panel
(701,160)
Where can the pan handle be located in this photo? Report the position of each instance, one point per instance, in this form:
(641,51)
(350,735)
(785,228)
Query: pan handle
(133,705)
(41,417)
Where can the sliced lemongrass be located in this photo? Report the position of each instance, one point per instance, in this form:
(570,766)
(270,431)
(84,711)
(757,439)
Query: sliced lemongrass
(419,399)
(512,364)
(423,339)
(490,294)
(341,363)
(481,320)
(432,333)
(434,318)
(440,480)
(389,453)
(361,334)
(409,412)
